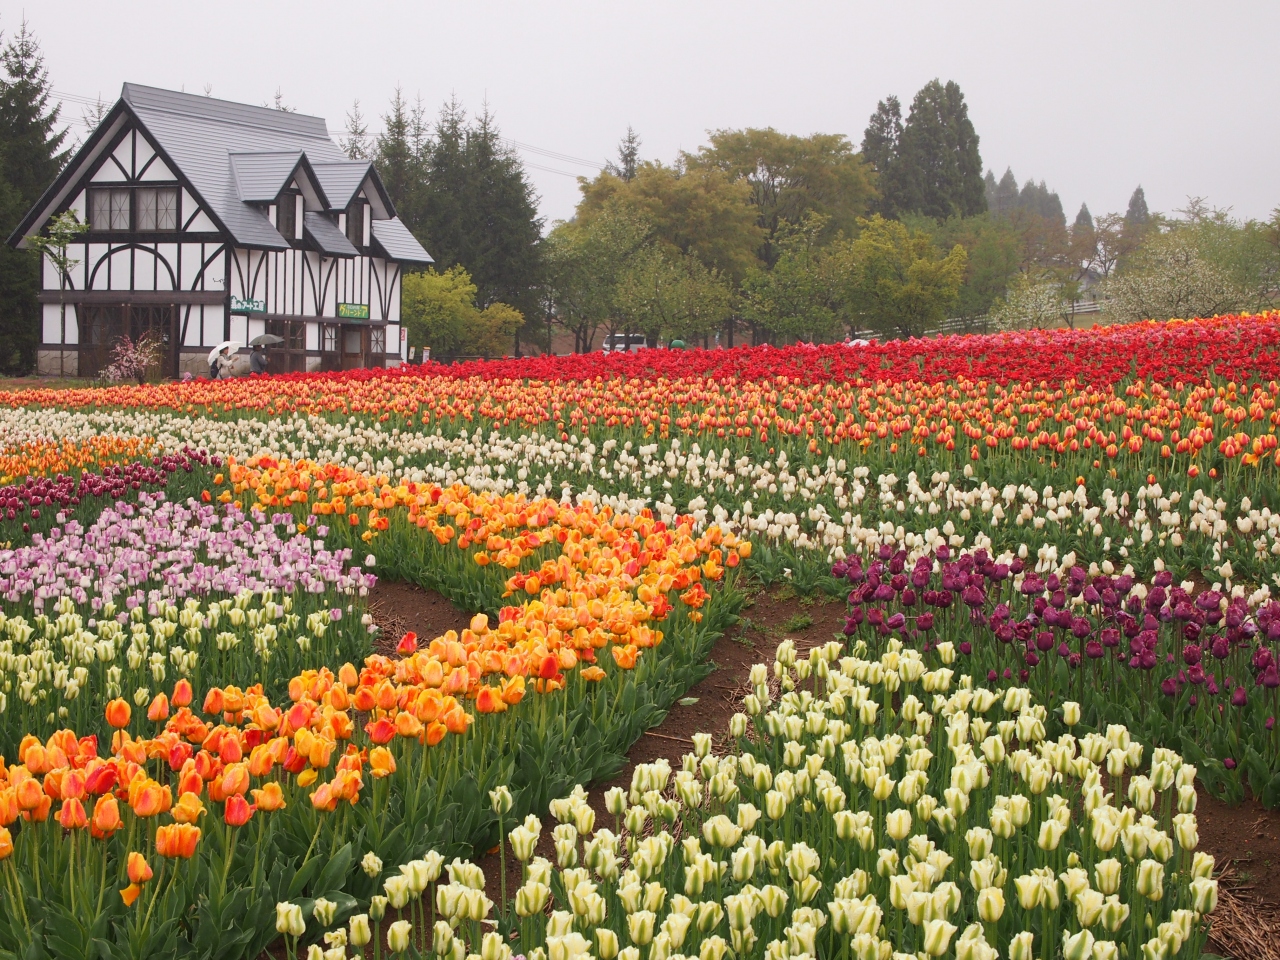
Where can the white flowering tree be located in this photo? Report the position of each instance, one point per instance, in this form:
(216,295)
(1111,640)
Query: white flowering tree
(1032,301)
(1171,276)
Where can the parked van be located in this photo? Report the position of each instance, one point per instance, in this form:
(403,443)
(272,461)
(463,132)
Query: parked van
(625,343)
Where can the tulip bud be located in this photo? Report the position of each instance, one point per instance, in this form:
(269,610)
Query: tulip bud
(1204,895)
(713,948)
(640,927)
(1184,825)
(1151,879)
(1030,891)
(1089,904)
(1114,914)
(1155,949)
(1106,873)
(500,800)
(979,840)
(990,904)
(492,947)
(1105,950)
(607,945)
(377,907)
(289,919)
(1077,946)
(1202,864)
(360,933)
(898,823)
(937,936)
(398,936)
(1020,947)
(1070,713)
(324,911)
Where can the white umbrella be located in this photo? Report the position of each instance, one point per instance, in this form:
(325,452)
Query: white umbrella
(233,344)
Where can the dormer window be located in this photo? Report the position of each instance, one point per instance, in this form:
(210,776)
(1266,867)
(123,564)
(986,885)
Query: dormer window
(355,224)
(287,216)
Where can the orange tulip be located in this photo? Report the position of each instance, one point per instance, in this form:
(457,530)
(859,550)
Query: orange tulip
(381,762)
(380,731)
(513,690)
(435,732)
(407,725)
(130,893)
(408,644)
(71,815)
(29,794)
(147,798)
(118,713)
(269,798)
(6,843)
(9,809)
(182,693)
(139,870)
(235,779)
(106,817)
(214,701)
(237,810)
(489,701)
(188,809)
(592,674)
(177,840)
(159,708)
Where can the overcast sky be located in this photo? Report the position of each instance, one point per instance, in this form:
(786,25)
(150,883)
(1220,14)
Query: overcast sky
(1094,98)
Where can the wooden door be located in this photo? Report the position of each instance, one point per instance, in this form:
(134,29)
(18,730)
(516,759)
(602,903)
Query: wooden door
(355,345)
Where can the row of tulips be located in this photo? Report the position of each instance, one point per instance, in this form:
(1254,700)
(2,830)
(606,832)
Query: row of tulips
(270,800)
(845,817)
(1180,663)
(1128,510)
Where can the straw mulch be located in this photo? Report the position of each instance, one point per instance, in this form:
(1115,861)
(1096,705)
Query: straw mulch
(1244,927)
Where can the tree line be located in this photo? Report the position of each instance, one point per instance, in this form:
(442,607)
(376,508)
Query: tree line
(756,237)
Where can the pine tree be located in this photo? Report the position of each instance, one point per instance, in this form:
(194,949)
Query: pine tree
(1137,217)
(628,157)
(30,158)
(479,210)
(1084,219)
(355,143)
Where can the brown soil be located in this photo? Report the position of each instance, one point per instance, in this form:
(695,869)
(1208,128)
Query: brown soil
(398,608)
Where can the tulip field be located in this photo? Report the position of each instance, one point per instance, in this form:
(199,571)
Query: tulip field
(1057,549)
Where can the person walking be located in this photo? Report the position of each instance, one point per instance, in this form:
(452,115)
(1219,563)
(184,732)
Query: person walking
(258,360)
(224,364)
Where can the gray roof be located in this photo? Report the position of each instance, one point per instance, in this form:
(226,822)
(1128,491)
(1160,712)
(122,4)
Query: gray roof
(395,240)
(340,181)
(235,155)
(261,176)
(320,230)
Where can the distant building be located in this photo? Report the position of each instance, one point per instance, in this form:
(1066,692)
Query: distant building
(211,221)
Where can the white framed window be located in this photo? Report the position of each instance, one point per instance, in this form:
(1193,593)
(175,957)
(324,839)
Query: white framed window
(377,339)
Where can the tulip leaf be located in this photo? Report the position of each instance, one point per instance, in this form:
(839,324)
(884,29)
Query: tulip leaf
(688,701)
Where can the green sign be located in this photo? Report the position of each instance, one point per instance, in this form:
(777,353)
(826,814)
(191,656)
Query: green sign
(247,306)
(353,311)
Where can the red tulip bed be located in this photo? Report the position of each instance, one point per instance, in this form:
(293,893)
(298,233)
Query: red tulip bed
(202,752)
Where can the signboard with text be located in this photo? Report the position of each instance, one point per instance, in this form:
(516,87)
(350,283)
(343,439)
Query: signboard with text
(353,311)
(239,305)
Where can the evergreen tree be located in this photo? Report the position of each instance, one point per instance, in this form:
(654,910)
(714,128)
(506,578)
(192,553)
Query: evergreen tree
(880,149)
(936,169)
(30,158)
(480,211)
(1137,217)
(399,162)
(1084,219)
(1002,197)
(628,157)
(355,143)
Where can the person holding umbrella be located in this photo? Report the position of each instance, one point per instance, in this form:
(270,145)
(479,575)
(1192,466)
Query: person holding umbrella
(220,359)
(258,358)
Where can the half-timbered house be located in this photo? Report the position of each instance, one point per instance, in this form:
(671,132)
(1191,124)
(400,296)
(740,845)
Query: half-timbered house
(210,221)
